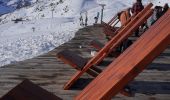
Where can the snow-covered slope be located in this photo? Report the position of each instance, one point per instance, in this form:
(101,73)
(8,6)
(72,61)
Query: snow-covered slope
(47,24)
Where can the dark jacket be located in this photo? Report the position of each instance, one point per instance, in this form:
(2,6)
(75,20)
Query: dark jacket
(137,7)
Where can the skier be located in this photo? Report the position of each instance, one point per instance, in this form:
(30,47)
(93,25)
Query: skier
(86,19)
(81,20)
(96,17)
(165,8)
(137,7)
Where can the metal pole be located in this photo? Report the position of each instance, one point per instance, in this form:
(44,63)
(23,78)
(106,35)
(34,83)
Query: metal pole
(102,15)
(52,13)
(102,5)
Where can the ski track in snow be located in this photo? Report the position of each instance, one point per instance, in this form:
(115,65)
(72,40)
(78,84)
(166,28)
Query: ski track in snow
(39,35)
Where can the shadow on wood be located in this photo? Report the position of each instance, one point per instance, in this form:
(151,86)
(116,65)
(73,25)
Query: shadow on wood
(29,91)
(81,83)
(150,88)
(159,67)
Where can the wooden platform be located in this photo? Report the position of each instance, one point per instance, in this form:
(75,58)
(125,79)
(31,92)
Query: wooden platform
(51,74)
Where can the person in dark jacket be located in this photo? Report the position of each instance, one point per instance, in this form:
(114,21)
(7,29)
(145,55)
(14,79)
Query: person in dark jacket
(159,11)
(136,8)
(165,8)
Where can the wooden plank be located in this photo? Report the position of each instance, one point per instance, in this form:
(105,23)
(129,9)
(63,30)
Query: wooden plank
(108,30)
(97,44)
(134,60)
(112,20)
(113,43)
(76,61)
(72,58)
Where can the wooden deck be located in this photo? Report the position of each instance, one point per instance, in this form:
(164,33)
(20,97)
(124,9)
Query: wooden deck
(51,74)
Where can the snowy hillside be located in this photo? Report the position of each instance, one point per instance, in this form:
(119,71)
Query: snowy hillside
(45,24)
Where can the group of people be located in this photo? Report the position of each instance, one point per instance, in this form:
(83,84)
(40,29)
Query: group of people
(158,12)
(83,22)
(138,7)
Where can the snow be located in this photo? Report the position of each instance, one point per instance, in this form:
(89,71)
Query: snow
(40,32)
(19,42)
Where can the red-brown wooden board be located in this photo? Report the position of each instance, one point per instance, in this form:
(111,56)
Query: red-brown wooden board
(133,61)
(113,43)
(109,27)
(108,30)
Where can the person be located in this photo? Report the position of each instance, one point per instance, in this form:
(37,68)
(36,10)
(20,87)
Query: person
(96,17)
(81,20)
(86,19)
(126,44)
(165,8)
(33,29)
(136,8)
(128,13)
(159,12)
(124,16)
